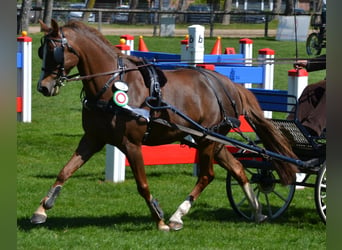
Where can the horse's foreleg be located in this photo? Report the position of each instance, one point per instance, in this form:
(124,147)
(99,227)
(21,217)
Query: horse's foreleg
(226,160)
(135,158)
(82,154)
(48,201)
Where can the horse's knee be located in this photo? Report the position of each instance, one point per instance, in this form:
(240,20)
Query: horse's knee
(143,190)
(206,179)
(211,177)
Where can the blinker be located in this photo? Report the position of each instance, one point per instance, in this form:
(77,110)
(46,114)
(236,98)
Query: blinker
(58,52)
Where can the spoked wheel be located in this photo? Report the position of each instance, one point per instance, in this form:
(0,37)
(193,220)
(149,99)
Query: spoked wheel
(321,193)
(313,45)
(274,197)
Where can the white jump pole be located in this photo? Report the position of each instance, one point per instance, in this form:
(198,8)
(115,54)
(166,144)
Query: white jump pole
(115,164)
(129,41)
(124,47)
(115,159)
(267,57)
(297,81)
(196,55)
(246,48)
(196,43)
(24,77)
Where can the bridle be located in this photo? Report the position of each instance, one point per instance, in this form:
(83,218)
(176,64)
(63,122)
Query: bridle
(53,49)
(58,57)
(59,46)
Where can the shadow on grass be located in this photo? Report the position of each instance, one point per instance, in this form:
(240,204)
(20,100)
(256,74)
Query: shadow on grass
(79,175)
(203,212)
(68,135)
(292,216)
(60,223)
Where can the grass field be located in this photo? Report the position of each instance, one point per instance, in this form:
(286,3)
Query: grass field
(93,214)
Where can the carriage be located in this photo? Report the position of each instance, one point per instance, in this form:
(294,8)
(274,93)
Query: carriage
(310,149)
(128,102)
(316,40)
(274,197)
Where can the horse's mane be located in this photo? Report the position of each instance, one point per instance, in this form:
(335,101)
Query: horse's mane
(89,31)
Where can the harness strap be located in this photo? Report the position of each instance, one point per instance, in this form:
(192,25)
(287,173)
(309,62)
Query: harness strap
(232,101)
(121,72)
(234,122)
(155,89)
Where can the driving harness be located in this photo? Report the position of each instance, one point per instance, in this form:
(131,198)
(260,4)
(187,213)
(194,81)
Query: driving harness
(154,80)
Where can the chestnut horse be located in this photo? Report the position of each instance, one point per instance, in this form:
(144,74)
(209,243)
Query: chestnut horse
(207,97)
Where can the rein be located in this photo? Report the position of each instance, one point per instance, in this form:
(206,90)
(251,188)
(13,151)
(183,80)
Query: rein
(76,77)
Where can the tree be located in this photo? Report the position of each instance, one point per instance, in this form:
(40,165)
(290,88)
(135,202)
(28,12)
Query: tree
(48,11)
(319,5)
(289,5)
(24,17)
(276,6)
(182,5)
(227,7)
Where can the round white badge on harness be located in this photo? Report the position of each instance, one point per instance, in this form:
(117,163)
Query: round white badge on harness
(120,98)
(119,85)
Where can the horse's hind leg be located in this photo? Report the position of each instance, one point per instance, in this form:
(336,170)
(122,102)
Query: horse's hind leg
(226,160)
(135,158)
(206,175)
(82,154)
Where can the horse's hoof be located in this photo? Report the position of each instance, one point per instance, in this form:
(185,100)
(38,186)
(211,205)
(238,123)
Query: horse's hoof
(38,218)
(164,228)
(261,218)
(175,226)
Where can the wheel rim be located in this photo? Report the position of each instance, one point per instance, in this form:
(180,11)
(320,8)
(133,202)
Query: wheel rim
(321,193)
(313,46)
(274,197)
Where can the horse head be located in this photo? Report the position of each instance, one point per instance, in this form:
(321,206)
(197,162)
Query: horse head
(58,58)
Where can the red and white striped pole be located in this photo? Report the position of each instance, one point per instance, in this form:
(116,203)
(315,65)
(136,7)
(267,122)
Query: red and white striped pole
(266,56)
(297,81)
(246,48)
(125,49)
(185,49)
(129,41)
(24,77)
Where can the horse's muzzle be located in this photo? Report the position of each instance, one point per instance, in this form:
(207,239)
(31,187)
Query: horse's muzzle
(50,90)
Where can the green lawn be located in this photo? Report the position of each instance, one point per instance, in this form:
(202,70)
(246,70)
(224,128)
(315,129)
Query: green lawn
(93,214)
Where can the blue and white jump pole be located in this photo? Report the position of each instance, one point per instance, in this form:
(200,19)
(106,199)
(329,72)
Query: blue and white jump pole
(24,77)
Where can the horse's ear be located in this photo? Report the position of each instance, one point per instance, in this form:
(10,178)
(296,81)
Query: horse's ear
(55,28)
(46,29)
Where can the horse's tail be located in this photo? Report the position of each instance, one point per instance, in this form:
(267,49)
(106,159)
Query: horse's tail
(271,138)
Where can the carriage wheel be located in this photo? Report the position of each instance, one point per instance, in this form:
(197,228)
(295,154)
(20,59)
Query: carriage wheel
(313,44)
(274,197)
(321,193)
